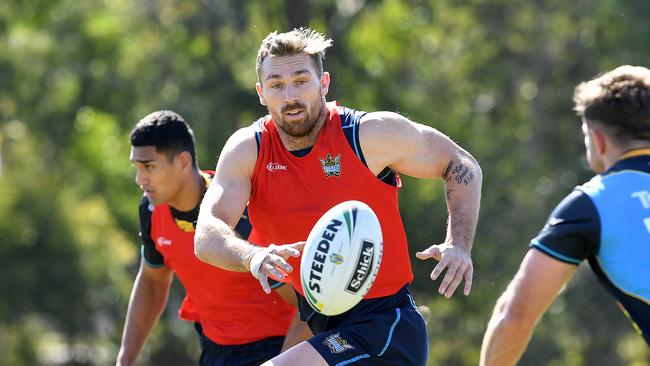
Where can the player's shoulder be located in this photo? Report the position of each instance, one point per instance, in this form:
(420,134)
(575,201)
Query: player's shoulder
(239,154)
(244,135)
(576,210)
(242,143)
(576,200)
(381,124)
(381,129)
(145,205)
(145,210)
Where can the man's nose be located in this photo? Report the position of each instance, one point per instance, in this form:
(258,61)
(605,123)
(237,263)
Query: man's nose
(139,177)
(290,94)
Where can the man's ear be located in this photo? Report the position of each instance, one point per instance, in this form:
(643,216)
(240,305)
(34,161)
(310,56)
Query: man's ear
(185,160)
(600,139)
(258,88)
(325,82)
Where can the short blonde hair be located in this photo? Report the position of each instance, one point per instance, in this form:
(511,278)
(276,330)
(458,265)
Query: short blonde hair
(618,100)
(298,41)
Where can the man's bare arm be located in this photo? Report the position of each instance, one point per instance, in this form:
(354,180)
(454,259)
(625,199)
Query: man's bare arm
(533,289)
(391,140)
(148,300)
(215,241)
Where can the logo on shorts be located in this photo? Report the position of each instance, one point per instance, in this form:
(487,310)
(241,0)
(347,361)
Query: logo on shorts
(274,167)
(331,166)
(337,344)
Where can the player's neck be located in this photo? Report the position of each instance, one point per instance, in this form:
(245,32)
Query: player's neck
(191,192)
(627,151)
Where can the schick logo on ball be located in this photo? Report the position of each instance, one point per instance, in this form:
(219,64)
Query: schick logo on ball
(320,255)
(362,270)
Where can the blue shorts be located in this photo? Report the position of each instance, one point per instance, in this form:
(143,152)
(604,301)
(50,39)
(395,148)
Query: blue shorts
(383,331)
(249,354)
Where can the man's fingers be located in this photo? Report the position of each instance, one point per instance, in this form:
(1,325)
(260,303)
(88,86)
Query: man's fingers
(449,277)
(288,250)
(431,252)
(469,274)
(277,274)
(458,277)
(437,270)
(279,262)
(299,246)
(264,281)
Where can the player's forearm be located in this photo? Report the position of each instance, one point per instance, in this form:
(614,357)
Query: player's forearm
(145,306)
(508,331)
(463,180)
(505,341)
(217,244)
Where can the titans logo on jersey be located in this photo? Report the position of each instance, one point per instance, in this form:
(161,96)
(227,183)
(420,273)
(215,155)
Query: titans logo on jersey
(331,166)
(607,222)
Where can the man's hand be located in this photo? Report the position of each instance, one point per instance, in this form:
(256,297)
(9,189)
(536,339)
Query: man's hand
(458,262)
(272,261)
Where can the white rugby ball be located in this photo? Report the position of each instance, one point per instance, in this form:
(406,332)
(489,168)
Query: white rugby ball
(341,258)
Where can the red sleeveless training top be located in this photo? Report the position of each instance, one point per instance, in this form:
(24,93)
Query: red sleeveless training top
(231,306)
(290,194)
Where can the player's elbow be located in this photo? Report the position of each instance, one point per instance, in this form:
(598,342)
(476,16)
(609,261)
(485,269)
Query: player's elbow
(200,242)
(514,315)
(477,172)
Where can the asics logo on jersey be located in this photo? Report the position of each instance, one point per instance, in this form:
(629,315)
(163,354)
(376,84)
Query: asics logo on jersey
(162,241)
(331,166)
(274,167)
(337,344)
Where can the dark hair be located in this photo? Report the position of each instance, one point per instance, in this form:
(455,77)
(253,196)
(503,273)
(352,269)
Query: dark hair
(167,131)
(619,100)
(298,41)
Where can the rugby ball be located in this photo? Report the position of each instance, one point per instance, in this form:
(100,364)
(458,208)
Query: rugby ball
(341,258)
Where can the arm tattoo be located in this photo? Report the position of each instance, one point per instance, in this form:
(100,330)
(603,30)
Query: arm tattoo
(458,172)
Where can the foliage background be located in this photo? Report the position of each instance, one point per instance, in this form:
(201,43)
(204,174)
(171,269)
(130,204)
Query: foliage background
(497,76)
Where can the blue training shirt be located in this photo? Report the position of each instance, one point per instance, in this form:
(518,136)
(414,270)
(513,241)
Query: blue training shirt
(607,222)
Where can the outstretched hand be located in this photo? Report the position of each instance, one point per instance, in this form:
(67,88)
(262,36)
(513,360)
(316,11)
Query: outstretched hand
(458,263)
(272,261)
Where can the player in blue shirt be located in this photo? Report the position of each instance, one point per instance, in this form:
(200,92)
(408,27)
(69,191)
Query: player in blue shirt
(606,221)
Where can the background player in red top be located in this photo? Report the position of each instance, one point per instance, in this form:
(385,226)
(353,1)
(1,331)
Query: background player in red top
(276,164)
(236,322)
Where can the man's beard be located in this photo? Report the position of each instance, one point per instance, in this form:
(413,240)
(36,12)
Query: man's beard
(303,127)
